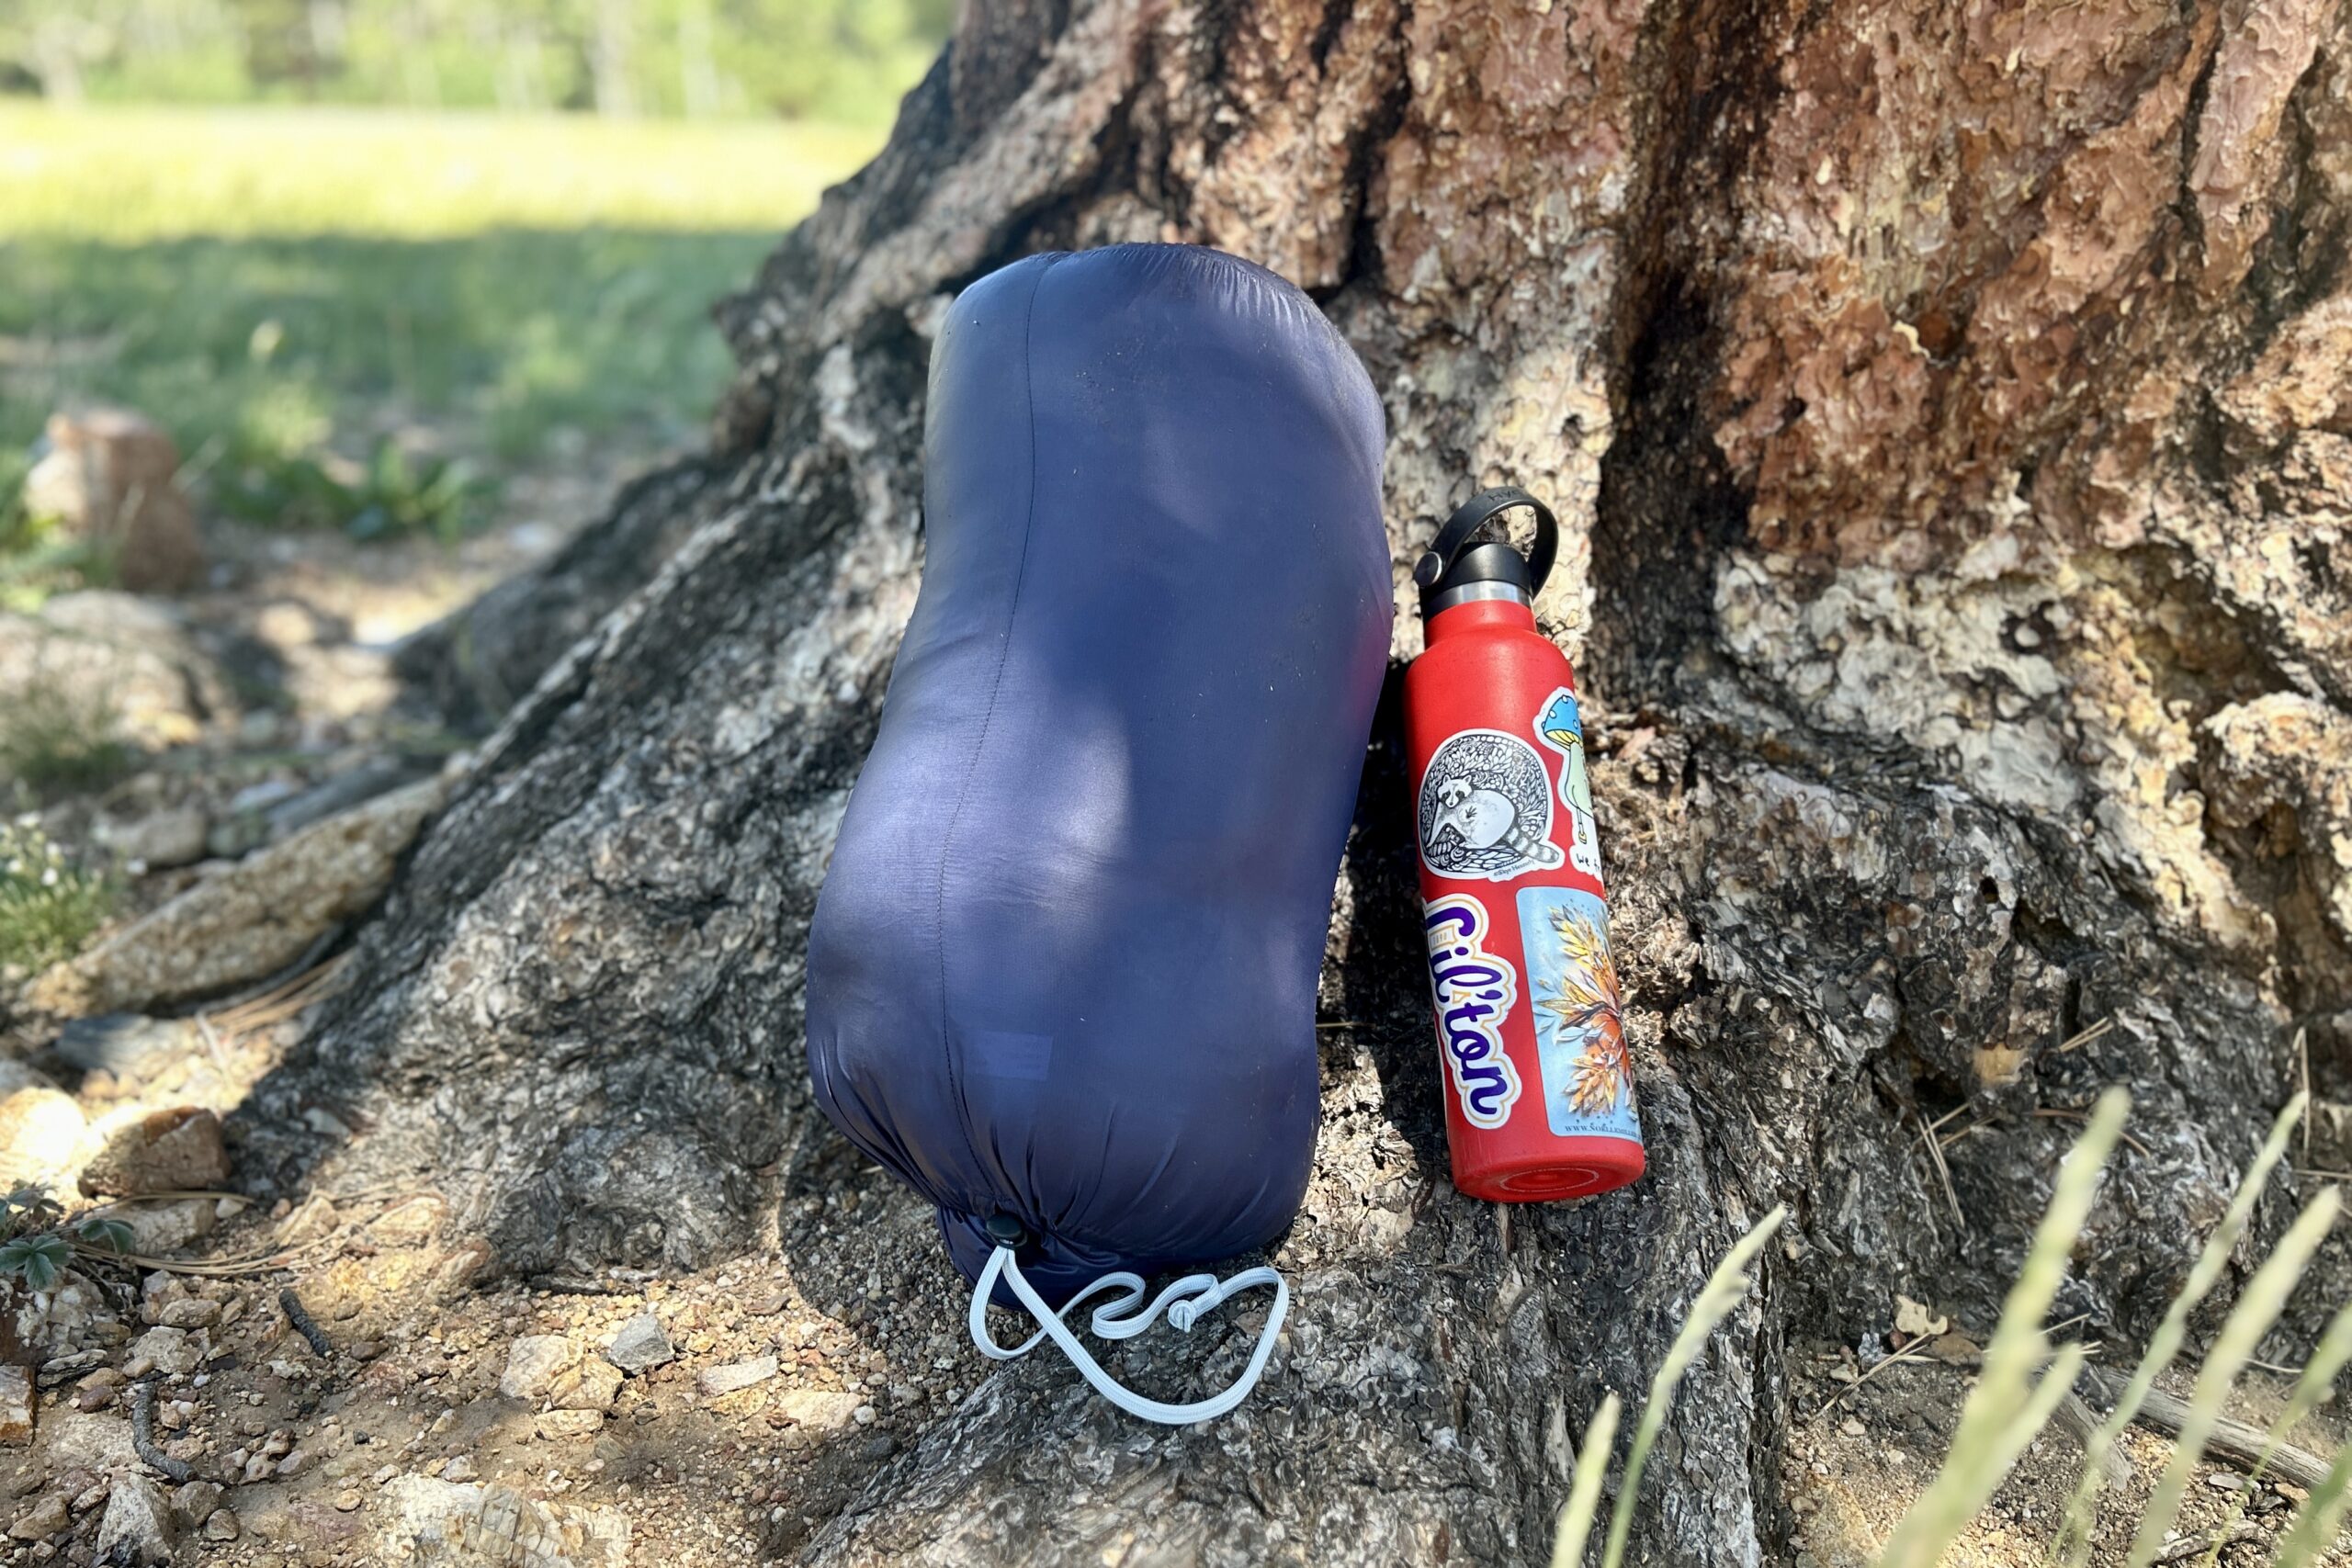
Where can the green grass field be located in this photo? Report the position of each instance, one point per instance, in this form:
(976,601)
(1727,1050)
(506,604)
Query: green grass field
(289,290)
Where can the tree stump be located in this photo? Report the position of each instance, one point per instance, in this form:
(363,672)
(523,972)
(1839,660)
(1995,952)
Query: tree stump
(1950,415)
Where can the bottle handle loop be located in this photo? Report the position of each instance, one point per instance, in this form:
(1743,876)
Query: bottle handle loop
(1475,513)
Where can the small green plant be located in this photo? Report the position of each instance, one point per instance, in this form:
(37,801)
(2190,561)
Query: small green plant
(38,558)
(56,739)
(37,1242)
(2009,1406)
(48,906)
(391,496)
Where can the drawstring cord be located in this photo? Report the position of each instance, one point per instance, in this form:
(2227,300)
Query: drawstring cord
(1185,1302)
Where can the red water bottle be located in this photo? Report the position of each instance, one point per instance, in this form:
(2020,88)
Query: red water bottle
(1539,1098)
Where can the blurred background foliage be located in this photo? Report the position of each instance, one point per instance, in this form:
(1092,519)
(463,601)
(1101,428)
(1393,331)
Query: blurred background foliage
(373,261)
(839,60)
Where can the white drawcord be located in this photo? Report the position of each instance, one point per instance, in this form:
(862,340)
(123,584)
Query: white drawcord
(1185,1302)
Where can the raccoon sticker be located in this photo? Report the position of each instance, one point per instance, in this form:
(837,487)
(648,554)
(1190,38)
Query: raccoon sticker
(1485,809)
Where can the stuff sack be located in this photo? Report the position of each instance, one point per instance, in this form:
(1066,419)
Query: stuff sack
(1062,974)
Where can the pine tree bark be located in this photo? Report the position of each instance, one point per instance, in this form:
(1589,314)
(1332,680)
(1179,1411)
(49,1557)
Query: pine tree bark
(1949,413)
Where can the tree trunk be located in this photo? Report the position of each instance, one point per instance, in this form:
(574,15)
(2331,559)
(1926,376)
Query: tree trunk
(1950,413)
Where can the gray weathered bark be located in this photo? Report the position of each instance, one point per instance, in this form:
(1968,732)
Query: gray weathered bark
(1950,411)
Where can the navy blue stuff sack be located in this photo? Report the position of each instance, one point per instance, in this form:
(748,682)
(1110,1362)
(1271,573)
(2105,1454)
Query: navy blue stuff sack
(1062,974)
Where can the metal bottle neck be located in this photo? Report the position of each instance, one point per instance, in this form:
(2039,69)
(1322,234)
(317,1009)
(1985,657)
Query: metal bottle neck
(1472,593)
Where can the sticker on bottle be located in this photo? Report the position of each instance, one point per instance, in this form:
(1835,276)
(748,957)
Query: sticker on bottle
(1475,990)
(1559,725)
(1579,1033)
(1485,809)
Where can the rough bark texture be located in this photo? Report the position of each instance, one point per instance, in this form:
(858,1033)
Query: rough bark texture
(1950,410)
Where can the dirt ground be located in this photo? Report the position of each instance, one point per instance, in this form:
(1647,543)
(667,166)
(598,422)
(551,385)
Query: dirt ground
(1858,1454)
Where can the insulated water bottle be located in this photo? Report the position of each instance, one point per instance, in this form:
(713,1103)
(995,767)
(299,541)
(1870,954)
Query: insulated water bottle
(1539,1087)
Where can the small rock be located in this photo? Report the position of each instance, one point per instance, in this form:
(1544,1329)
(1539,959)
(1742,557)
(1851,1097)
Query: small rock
(346,1502)
(16,1407)
(171,1351)
(97,1391)
(189,1311)
(124,1044)
(70,1314)
(2225,1481)
(44,1518)
(534,1363)
(863,1415)
(138,1526)
(293,1464)
(459,1469)
(74,1440)
(819,1410)
(105,654)
(176,837)
(737,1375)
(1852,1427)
(287,624)
(158,1229)
(880,1447)
(110,476)
(251,920)
(591,1385)
(561,1424)
(257,1469)
(408,1224)
(319,1119)
(196,1501)
(641,1345)
(221,1525)
(427,1522)
(42,1128)
(177,1150)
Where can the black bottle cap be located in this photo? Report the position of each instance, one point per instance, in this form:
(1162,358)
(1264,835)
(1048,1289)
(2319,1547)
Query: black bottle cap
(1454,568)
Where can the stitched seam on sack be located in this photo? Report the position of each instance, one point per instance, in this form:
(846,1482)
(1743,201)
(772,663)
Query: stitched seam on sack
(987,717)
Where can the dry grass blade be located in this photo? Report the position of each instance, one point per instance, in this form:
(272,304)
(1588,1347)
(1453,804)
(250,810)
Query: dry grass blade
(2258,1307)
(2314,1529)
(2074,1535)
(172,1195)
(2006,1408)
(1722,1292)
(2077,1041)
(1584,1493)
(2317,1382)
(208,1269)
(2303,1060)
(267,1262)
(1909,1356)
(1943,1171)
(2243,1445)
(2211,1541)
(282,1002)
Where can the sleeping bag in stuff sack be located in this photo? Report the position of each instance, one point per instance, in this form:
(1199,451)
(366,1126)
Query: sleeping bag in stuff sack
(1062,974)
